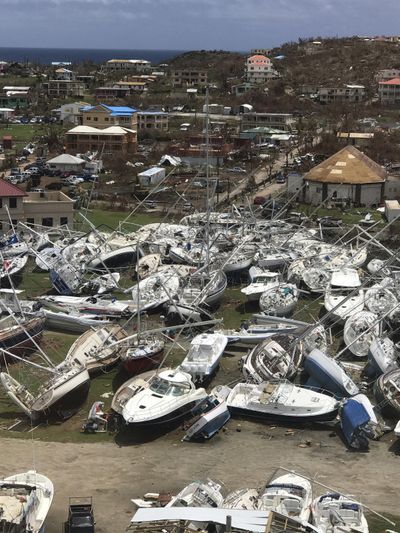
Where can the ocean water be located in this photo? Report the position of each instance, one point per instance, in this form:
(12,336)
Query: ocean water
(45,56)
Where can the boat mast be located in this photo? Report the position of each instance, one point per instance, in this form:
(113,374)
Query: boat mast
(207,181)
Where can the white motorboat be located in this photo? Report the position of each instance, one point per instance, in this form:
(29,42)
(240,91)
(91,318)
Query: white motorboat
(268,360)
(25,500)
(359,332)
(263,282)
(256,333)
(281,401)
(280,300)
(204,355)
(274,258)
(95,349)
(336,513)
(198,494)
(342,299)
(166,396)
(210,415)
(289,495)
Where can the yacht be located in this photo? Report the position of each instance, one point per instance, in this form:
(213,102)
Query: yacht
(204,355)
(336,513)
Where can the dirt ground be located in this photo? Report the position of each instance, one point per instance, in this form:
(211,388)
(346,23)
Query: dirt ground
(113,473)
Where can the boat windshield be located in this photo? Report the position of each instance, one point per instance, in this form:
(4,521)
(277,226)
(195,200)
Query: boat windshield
(166,388)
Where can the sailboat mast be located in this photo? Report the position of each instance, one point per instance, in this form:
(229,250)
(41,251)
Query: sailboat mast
(207,180)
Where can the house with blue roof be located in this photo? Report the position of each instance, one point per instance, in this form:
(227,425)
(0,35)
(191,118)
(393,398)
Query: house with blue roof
(103,116)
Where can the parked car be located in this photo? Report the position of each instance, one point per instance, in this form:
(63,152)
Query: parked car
(239,170)
(280,178)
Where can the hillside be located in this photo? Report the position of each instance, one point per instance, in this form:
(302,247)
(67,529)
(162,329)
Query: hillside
(335,62)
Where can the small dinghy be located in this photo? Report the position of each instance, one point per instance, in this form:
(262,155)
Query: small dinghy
(359,332)
(387,393)
(145,352)
(94,349)
(210,415)
(336,513)
(25,500)
(268,360)
(325,373)
(281,401)
(204,355)
(289,495)
(280,300)
(382,357)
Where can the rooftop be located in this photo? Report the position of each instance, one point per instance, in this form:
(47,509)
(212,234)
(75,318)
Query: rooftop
(112,130)
(8,190)
(349,165)
(115,111)
(394,81)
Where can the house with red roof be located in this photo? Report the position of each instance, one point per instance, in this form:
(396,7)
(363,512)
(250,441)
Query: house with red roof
(389,91)
(259,69)
(47,208)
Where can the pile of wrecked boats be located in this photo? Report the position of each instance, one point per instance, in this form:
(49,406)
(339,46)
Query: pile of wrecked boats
(293,371)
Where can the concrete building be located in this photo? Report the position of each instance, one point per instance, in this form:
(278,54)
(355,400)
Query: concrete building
(389,91)
(104,116)
(72,113)
(120,91)
(67,163)
(355,138)
(153,120)
(51,208)
(127,65)
(15,96)
(108,141)
(348,177)
(279,121)
(64,88)
(63,73)
(387,74)
(6,113)
(188,77)
(350,94)
(259,69)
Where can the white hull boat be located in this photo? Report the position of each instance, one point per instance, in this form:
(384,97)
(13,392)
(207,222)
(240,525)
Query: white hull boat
(69,383)
(13,266)
(204,355)
(268,360)
(198,494)
(155,291)
(109,308)
(94,349)
(262,283)
(382,356)
(246,499)
(380,299)
(289,495)
(72,321)
(166,396)
(280,300)
(359,331)
(148,265)
(335,513)
(281,401)
(25,500)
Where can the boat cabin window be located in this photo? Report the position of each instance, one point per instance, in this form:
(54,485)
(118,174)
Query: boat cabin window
(160,386)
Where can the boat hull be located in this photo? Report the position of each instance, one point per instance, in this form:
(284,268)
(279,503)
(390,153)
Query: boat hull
(20,341)
(277,417)
(138,365)
(170,418)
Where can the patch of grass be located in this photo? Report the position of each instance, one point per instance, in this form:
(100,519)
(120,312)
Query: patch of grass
(22,132)
(112,218)
(378,525)
(349,216)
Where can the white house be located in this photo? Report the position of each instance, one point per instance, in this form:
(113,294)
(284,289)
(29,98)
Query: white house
(259,69)
(67,163)
(72,113)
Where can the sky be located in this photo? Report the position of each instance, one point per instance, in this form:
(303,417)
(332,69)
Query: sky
(188,24)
